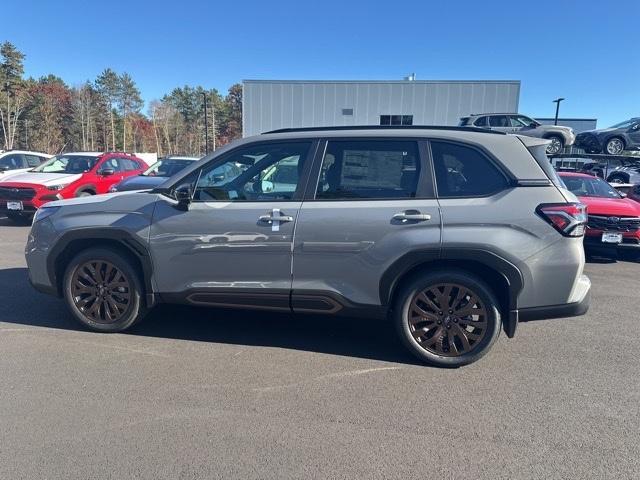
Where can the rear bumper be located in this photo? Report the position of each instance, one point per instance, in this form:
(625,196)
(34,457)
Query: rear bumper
(581,297)
(556,311)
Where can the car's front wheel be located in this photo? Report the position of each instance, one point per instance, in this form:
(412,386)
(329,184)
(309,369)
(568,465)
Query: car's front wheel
(614,146)
(103,290)
(447,319)
(556,145)
(618,178)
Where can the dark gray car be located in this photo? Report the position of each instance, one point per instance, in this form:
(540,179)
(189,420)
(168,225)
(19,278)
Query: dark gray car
(453,234)
(155,175)
(613,140)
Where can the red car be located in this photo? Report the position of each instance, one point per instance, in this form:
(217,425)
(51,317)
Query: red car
(66,175)
(614,221)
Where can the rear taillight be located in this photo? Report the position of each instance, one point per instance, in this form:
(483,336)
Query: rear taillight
(569,219)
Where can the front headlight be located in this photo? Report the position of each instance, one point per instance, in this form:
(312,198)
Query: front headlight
(55,188)
(44,212)
(114,188)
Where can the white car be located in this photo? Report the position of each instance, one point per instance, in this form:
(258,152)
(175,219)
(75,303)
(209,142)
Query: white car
(18,161)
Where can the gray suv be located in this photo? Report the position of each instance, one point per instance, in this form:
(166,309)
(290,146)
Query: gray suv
(516,123)
(613,140)
(451,233)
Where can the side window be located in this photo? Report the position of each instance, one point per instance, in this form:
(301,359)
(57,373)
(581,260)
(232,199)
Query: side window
(32,160)
(498,121)
(465,172)
(481,122)
(111,163)
(13,161)
(517,122)
(268,172)
(369,169)
(129,164)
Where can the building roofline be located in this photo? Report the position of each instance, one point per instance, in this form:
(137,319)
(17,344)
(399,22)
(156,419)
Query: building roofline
(564,119)
(402,82)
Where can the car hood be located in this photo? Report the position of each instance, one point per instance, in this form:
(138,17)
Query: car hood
(140,182)
(621,207)
(599,131)
(45,179)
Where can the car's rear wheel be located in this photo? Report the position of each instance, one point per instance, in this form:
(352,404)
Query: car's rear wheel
(614,146)
(103,290)
(447,319)
(556,145)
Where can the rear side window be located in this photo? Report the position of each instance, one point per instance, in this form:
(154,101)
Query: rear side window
(32,160)
(129,164)
(481,122)
(369,170)
(463,171)
(464,121)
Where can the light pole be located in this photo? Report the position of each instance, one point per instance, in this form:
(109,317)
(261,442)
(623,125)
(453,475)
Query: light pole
(557,102)
(206,125)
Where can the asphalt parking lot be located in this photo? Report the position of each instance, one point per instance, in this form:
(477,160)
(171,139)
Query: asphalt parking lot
(218,394)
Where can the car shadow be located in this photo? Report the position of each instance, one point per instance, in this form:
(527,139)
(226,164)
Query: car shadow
(353,337)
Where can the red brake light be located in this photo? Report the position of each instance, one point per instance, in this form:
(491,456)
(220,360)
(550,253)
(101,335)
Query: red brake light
(567,218)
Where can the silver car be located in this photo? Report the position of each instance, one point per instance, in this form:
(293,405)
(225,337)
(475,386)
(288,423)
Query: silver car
(559,136)
(453,234)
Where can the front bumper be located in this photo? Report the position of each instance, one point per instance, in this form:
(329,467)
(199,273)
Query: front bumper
(587,142)
(595,243)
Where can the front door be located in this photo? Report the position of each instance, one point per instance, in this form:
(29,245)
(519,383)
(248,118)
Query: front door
(233,245)
(374,202)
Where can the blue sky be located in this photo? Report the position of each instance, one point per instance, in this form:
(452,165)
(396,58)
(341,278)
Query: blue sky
(586,51)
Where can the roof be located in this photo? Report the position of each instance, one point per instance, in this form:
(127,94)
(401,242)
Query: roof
(403,82)
(381,128)
(27,152)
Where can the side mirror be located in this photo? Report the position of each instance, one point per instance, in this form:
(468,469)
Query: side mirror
(533,125)
(105,172)
(183,195)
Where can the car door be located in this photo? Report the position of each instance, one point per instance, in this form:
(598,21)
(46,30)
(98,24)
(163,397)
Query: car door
(108,172)
(372,203)
(233,244)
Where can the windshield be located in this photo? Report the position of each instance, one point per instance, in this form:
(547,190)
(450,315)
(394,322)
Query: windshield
(166,167)
(626,123)
(72,164)
(590,187)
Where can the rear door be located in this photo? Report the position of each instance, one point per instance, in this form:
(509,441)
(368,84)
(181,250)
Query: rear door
(371,202)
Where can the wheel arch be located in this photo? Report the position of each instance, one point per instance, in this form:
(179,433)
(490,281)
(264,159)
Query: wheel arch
(502,276)
(87,187)
(72,243)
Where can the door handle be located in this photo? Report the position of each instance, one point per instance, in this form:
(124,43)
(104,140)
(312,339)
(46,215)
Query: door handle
(275,216)
(411,215)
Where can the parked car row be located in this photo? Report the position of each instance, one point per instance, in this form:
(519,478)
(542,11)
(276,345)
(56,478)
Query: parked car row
(611,141)
(30,179)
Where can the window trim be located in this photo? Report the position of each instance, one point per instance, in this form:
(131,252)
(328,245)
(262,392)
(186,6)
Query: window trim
(508,176)
(426,181)
(297,196)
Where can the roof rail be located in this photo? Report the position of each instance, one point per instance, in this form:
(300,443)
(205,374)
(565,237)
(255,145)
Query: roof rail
(384,127)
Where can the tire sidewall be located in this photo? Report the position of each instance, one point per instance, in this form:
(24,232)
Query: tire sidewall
(419,283)
(134,311)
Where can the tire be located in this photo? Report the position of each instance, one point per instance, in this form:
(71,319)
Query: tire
(441,348)
(85,194)
(119,296)
(617,178)
(20,218)
(614,146)
(556,145)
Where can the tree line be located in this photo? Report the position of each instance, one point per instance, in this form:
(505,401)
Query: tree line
(105,114)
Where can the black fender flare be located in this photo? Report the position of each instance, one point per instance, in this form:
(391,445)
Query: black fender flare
(123,238)
(489,259)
